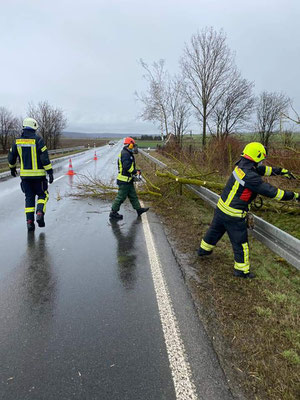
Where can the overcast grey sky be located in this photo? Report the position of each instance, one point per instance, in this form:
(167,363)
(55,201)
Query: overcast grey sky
(83,55)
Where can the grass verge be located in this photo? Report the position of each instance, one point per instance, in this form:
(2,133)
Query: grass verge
(254,325)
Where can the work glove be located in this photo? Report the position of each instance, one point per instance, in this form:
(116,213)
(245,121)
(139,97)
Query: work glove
(13,172)
(51,178)
(297,196)
(137,177)
(287,174)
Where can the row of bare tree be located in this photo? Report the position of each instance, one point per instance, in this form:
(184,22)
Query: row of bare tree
(51,121)
(9,126)
(209,88)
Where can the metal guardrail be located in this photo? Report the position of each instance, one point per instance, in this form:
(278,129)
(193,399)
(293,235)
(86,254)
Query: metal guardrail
(65,150)
(57,151)
(280,242)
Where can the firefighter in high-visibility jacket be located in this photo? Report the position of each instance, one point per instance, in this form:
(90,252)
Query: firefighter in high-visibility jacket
(32,153)
(244,184)
(127,173)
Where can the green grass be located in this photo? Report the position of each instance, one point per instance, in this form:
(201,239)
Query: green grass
(292,356)
(144,144)
(244,137)
(263,312)
(276,297)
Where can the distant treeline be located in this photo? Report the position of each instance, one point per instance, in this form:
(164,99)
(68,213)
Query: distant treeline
(147,137)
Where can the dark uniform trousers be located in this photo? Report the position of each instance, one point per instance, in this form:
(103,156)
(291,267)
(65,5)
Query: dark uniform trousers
(236,229)
(32,188)
(126,190)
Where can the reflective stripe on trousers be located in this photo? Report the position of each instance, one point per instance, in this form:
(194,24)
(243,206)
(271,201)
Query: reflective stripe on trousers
(31,189)
(236,229)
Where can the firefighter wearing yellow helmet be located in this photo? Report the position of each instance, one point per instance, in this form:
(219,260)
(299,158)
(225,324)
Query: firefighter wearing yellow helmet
(32,153)
(244,184)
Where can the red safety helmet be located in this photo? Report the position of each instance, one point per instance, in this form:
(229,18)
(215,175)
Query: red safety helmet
(128,141)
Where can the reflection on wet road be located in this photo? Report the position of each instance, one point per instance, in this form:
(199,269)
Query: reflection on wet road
(38,282)
(126,251)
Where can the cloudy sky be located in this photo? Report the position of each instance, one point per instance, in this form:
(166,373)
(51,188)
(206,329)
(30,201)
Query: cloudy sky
(83,55)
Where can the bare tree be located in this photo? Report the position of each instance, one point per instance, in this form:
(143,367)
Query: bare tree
(206,64)
(295,119)
(269,108)
(51,122)
(180,108)
(235,107)
(8,126)
(156,101)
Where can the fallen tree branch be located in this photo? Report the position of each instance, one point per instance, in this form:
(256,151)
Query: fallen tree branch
(148,182)
(92,187)
(291,149)
(189,181)
(269,205)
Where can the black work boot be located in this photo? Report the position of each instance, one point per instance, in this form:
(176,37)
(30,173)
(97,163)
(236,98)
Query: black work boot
(40,219)
(30,225)
(140,211)
(241,274)
(202,252)
(115,215)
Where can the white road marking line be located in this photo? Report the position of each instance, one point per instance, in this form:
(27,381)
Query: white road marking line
(88,161)
(57,179)
(180,368)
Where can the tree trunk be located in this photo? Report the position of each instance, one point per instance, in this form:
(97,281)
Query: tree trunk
(204,130)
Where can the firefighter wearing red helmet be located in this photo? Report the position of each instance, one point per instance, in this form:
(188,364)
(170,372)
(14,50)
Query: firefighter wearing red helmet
(230,215)
(127,172)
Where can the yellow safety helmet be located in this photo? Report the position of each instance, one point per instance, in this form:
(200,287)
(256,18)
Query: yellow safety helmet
(255,152)
(30,123)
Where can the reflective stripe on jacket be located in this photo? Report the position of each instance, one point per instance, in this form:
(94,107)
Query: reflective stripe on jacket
(244,184)
(126,166)
(32,153)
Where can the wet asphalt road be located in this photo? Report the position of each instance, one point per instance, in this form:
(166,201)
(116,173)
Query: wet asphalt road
(79,315)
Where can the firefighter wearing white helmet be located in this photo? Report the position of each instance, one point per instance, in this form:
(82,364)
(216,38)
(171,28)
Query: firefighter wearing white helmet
(30,123)
(244,184)
(32,153)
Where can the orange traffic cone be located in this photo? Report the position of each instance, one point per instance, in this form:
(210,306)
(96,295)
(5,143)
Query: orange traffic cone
(70,172)
(95,156)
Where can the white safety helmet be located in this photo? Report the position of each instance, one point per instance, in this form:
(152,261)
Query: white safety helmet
(30,123)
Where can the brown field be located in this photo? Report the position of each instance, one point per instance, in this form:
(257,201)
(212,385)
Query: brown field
(70,142)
